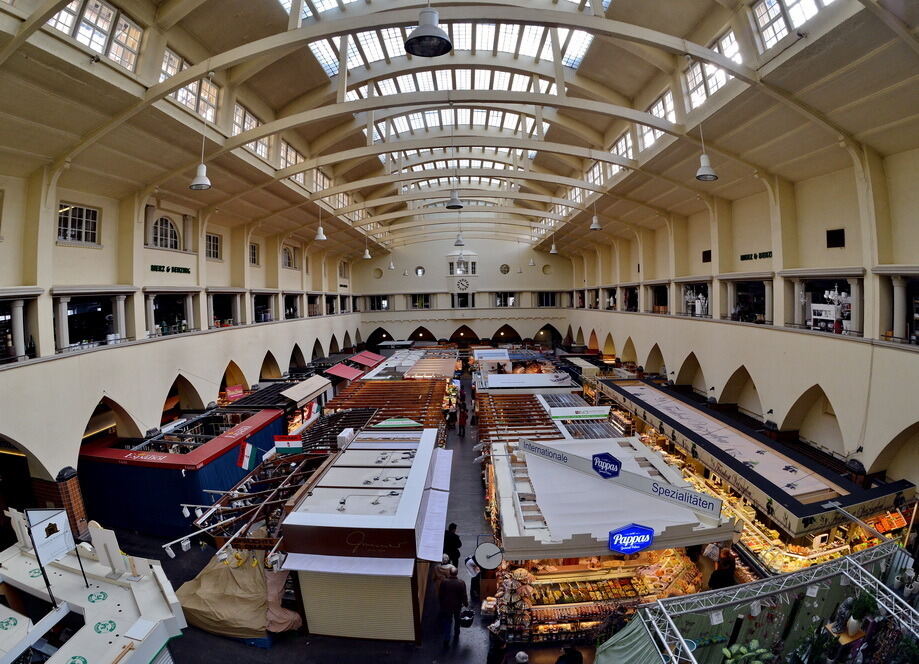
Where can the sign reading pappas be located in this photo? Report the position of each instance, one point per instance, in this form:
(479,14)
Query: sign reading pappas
(606,465)
(51,534)
(630,539)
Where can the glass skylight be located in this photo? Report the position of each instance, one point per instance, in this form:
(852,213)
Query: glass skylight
(445,118)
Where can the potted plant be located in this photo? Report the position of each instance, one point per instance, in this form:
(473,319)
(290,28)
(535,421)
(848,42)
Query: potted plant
(749,654)
(865,605)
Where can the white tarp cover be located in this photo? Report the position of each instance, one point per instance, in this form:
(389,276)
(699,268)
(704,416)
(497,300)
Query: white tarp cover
(575,503)
(307,390)
(429,538)
(529,380)
(631,644)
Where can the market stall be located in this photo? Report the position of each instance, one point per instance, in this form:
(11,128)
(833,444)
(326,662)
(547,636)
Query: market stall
(301,400)
(786,501)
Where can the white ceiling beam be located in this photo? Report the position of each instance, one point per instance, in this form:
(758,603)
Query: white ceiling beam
(425,212)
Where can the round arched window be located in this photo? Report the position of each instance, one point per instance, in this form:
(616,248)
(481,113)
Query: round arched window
(165,234)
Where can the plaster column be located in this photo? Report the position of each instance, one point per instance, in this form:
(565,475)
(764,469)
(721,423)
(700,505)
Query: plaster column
(899,307)
(798,306)
(620,293)
(732,297)
(681,305)
(767,284)
(210,310)
(855,297)
(151,315)
(189,311)
(19,342)
(235,308)
(120,320)
(62,329)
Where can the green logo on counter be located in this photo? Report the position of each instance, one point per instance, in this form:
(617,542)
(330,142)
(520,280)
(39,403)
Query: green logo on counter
(9,623)
(97,597)
(77,659)
(34,572)
(105,626)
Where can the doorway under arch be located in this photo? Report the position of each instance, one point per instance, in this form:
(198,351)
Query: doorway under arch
(182,396)
(464,335)
(813,417)
(506,335)
(654,363)
(900,457)
(741,391)
(334,348)
(233,376)
(317,351)
(377,337)
(691,374)
(297,361)
(422,333)
(549,336)
(270,368)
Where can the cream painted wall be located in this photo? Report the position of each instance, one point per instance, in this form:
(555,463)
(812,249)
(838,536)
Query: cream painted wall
(821,427)
(257,273)
(218,271)
(661,254)
(751,232)
(825,203)
(698,240)
(169,258)
(12,212)
(903,191)
(75,265)
(748,401)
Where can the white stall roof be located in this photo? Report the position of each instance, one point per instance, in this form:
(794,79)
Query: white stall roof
(307,390)
(560,379)
(492,354)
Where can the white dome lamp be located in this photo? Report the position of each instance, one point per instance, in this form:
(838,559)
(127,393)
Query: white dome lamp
(595,221)
(554,249)
(454,203)
(320,233)
(705,173)
(459,242)
(201,182)
(428,40)
(367,255)
(391,266)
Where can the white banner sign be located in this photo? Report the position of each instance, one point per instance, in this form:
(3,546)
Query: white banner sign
(529,380)
(600,466)
(580,413)
(50,533)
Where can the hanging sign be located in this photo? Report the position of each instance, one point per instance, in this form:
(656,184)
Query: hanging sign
(234,392)
(581,413)
(606,465)
(50,533)
(631,539)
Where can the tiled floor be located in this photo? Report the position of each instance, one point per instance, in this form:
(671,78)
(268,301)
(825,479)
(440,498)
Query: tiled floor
(466,509)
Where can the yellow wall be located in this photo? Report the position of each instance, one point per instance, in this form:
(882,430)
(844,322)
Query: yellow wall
(751,233)
(903,191)
(825,203)
(11,216)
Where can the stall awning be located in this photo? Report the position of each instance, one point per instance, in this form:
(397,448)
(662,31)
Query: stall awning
(344,371)
(429,535)
(310,562)
(632,644)
(368,359)
(307,390)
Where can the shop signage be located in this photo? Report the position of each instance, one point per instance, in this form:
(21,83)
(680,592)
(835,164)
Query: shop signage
(50,531)
(174,269)
(560,379)
(606,465)
(584,413)
(234,392)
(631,539)
(756,256)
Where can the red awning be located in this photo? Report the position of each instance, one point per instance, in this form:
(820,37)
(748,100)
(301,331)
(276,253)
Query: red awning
(367,358)
(344,371)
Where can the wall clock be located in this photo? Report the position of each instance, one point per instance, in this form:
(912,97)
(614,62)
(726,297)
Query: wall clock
(462,284)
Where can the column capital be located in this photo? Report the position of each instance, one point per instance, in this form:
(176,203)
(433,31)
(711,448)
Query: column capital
(17,304)
(120,298)
(898,281)
(63,299)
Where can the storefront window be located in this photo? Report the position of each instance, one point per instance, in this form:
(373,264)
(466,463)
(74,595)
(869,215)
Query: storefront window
(89,320)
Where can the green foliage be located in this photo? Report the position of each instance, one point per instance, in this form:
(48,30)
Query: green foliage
(865,605)
(748,654)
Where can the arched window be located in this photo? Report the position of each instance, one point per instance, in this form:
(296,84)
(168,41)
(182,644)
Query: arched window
(287,258)
(165,234)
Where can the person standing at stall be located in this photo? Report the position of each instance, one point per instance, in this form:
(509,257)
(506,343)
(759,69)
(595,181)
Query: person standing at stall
(723,576)
(452,597)
(452,544)
(463,415)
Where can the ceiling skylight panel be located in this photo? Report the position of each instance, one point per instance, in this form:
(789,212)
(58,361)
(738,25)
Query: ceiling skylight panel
(546,53)
(528,124)
(432,119)
(463,79)
(371,45)
(462,36)
(393,41)
(354,56)
(352,95)
(406,83)
(495,118)
(479,116)
(447,117)
(425,81)
(416,121)
(501,80)
(577,47)
(531,40)
(507,37)
(463,116)
(485,36)
(444,78)
(510,121)
(482,79)
(520,83)
(387,87)
(325,55)
(606,3)
(400,124)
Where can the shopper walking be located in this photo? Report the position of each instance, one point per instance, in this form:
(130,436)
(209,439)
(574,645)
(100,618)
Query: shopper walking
(723,576)
(452,544)
(570,655)
(452,598)
(462,421)
(442,572)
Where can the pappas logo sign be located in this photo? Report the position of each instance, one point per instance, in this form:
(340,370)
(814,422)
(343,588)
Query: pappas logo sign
(631,539)
(606,465)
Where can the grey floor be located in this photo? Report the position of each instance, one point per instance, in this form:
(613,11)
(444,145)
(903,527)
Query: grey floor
(466,509)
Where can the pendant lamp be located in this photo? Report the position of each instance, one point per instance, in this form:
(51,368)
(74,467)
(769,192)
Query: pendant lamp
(454,203)
(391,266)
(595,221)
(428,40)
(705,173)
(367,255)
(404,273)
(532,262)
(459,240)
(554,249)
(320,233)
(201,182)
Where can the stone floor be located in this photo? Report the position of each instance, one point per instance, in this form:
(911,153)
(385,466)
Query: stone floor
(466,509)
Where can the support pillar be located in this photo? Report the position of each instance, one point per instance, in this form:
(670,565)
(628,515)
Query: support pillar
(190,311)
(62,330)
(63,492)
(855,298)
(899,307)
(767,284)
(732,296)
(798,303)
(120,320)
(235,308)
(19,341)
(210,310)
(151,315)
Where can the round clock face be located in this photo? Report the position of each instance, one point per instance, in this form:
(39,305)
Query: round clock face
(462,284)
(488,555)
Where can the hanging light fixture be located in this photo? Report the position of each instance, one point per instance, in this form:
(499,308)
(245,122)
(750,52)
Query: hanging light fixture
(391,266)
(554,249)
(367,255)
(595,220)
(459,240)
(532,262)
(428,40)
(461,264)
(705,173)
(404,273)
(320,233)
(201,181)
(454,203)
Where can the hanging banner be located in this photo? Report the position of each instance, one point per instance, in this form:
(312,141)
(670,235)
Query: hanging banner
(580,413)
(51,534)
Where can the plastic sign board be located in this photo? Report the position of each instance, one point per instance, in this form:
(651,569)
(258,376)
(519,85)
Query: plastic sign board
(631,539)
(580,413)
(606,465)
(235,392)
(51,534)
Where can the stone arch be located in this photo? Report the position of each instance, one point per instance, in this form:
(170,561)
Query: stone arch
(270,367)
(691,373)
(628,351)
(506,335)
(900,457)
(317,351)
(377,337)
(17,468)
(357,337)
(813,417)
(109,414)
(579,338)
(233,375)
(654,363)
(609,346)
(569,337)
(346,345)
(741,391)
(334,348)
(182,396)
(421,333)
(297,361)
(548,334)
(464,334)
(592,342)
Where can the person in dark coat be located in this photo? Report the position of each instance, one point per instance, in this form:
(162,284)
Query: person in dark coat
(570,655)
(452,598)
(462,422)
(723,576)
(452,544)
